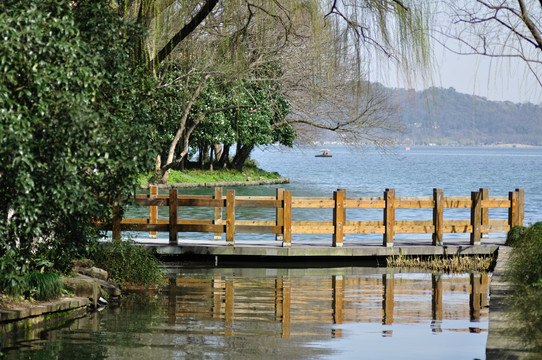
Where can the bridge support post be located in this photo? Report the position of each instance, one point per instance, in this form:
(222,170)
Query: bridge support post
(230,218)
(476,218)
(280,213)
(516,210)
(173,216)
(438,221)
(389,217)
(218,213)
(153,210)
(339,215)
(287,220)
(485,212)
(116,222)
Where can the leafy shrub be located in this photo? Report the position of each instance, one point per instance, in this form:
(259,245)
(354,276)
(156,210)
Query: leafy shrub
(515,235)
(525,273)
(74,123)
(129,263)
(525,267)
(13,268)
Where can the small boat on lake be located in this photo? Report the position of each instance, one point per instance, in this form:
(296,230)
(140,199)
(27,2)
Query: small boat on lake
(324,153)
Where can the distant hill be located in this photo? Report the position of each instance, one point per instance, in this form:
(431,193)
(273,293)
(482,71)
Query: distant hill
(445,117)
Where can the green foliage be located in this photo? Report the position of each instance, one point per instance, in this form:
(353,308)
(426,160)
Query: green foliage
(203,176)
(44,286)
(73,125)
(515,235)
(259,109)
(525,273)
(527,310)
(525,267)
(128,263)
(35,285)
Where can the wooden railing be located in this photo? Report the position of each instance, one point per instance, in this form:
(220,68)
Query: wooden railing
(283,225)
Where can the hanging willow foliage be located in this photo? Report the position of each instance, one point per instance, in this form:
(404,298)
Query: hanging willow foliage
(395,28)
(318,51)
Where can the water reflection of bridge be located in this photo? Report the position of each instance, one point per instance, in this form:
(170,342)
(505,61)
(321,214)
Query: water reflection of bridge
(318,305)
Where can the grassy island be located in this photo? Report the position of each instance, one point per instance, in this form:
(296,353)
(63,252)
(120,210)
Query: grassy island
(250,172)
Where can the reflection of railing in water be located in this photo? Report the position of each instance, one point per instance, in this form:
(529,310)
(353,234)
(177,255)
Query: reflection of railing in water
(300,306)
(284,225)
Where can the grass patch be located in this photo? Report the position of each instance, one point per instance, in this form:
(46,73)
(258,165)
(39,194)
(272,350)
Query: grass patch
(450,264)
(45,286)
(251,172)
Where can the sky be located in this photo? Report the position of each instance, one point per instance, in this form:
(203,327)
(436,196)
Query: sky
(494,79)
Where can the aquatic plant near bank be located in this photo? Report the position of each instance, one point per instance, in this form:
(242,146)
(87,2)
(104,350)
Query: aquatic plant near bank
(128,263)
(45,286)
(442,263)
(40,286)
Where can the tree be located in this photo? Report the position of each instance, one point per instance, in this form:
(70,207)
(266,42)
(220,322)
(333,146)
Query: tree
(73,128)
(506,29)
(308,53)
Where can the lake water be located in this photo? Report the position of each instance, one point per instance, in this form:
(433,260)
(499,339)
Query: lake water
(457,170)
(314,313)
(256,313)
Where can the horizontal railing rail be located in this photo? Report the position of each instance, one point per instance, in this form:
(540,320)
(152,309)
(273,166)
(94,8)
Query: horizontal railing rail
(283,225)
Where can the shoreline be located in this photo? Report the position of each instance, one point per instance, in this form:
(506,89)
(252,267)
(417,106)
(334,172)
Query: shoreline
(212,184)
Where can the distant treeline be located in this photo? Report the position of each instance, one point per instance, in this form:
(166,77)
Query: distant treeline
(445,117)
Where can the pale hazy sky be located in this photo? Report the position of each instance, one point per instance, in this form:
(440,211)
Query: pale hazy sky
(495,79)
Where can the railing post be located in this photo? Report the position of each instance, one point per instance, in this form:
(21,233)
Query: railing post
(438,221)
(218,213)
(513,211)
(230,218)
(280,213)
(389,217)
(173,216)
(476,218)
(153,210)
(521,206)
(287,220)
(485,211)
(339,215)
(116,222)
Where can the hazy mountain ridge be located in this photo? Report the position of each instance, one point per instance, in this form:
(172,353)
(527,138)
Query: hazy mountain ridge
(445,117)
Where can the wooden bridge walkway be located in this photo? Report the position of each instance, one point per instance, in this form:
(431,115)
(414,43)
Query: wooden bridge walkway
(485,233)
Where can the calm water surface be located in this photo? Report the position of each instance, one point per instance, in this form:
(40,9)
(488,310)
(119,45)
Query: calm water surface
(254,313)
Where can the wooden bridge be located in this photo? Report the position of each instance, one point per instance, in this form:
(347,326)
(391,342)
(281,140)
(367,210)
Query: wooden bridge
(283,224)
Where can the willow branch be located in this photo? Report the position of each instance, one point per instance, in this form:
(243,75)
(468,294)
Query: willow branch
(184,32)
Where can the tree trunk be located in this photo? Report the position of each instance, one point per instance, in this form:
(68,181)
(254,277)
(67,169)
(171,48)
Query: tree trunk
(242,154)
(218,151)
(211,158)
(223,162)
(185,132)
